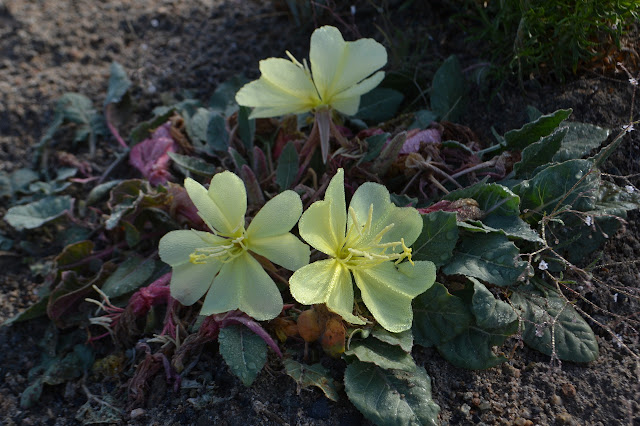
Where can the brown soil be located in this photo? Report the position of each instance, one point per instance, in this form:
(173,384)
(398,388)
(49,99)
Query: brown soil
(51,47)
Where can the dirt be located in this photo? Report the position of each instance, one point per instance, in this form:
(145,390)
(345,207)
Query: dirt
(50,47)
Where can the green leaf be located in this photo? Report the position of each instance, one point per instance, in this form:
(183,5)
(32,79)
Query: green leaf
(438,316)
(217,136)
(555,185)
(238,159)
(448,90)
(143,130)
(119,84)
(380,104)
(100,191)
(223,100)
(495,320)
(438,238)
(74,253)
(34,311)
(374,147)
(403,339)
(489,257)
(471,349)
(36,214)
(287,169)
(312,375)
(574,339)
(532,132)
(70,292)
(381,354)
(500,208)
(193,164)
(197,126)
(581,138)
(491,313)
(130,275)
(539,153)
(391,397)
(244,352)
(246,127)
(422,119)
(21,179)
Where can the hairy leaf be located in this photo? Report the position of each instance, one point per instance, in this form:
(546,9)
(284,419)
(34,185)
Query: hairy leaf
(37,213)
(532,132)
(287,166)
(312,375)
(223,100)
(448,90)
(391,397)
(217,135)
(489,257)
(539,153)
(244,352)
(381,354)
(438,316)
(572,183)
(131,274)
(581,138)
(119,84)
(379,105)
(403,339)
(543,315)
(195,165)
(438,238)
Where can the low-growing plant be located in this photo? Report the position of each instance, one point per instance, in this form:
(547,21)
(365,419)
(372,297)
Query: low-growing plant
(450,244)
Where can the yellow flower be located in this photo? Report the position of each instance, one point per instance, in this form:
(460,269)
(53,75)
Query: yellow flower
(337,78)
(220,263)
(370,244)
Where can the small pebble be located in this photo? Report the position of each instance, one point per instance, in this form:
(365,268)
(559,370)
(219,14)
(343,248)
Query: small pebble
(568,390)
(138,412)
(556,400)
(522,422)
(565,419)
(484,406)
(465,409)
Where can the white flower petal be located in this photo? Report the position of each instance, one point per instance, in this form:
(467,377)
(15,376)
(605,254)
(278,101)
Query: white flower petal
(207,209)
(243,284)
(276,217)
(189,282)
(337,65)
(176,246)
(285,250)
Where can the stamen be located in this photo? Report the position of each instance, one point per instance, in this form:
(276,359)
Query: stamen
(223,252)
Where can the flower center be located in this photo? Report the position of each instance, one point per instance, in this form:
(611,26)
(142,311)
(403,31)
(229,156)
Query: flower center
(223,252)
(361,249)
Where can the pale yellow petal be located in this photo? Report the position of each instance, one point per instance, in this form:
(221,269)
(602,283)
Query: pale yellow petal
(285,250)
(283,88)
(207,209)
(325,281)
(387,291)
(243,284)
(337,65)
(323,224)
(348,101)
(189,282)
(228,193)
(176,246)
(406,221)
(276,217)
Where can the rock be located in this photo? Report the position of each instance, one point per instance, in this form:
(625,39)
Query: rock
(565,419)
(556,400)
(465,409)
(569,390)
(138,412)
